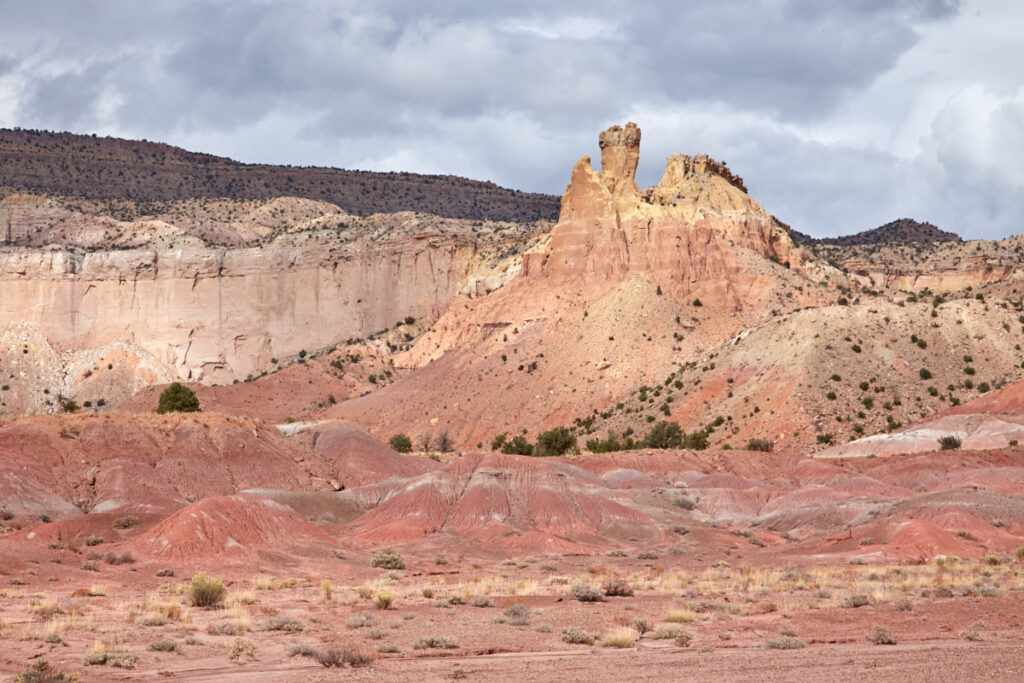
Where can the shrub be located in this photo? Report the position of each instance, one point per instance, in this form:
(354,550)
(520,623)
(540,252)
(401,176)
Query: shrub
(642,626)
(401,443)
(124,558)
(620,638)
(387,558)
(241,647)
(924,373)
(165,646)
(584,592)
(577,636)
(617,588)
(206,592)
(517,614)
(166,571)
(361,620)
(785,643)
(670,633)
(517,445)
(762,445)
(856,601)
(43,672)
(384,599)
(177,398)
(92,540)
(664,435)
(480,601)
(681,616)
(435,642)
(949,443)
(557,441)
(125,522)
(283,623)
(882,636)
(116,657)
(303,650)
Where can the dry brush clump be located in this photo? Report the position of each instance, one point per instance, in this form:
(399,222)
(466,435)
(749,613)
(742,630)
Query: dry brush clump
(206,592)
(577,636)
(387,558)
(620,638)
(881,636)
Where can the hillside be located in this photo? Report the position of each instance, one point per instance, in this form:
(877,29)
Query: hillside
(632,281)
(897,231)
(142,171)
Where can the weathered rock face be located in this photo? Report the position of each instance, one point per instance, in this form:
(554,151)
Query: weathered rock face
(680,232)
(971,272)
(216,295)
(215,315)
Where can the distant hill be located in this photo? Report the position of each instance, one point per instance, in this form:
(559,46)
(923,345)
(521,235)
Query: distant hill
(114,168)
(899,230)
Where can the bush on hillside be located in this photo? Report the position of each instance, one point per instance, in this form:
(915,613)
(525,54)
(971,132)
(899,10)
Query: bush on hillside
(177,398)
(401,443)
(557,441)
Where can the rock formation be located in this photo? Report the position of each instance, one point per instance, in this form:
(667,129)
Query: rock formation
(680,232)
(632,281)
(211,292)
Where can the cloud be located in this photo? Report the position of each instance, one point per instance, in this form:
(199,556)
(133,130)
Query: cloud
(840,116)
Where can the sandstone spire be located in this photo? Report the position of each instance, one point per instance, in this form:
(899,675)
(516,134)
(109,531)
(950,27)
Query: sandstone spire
(680,231)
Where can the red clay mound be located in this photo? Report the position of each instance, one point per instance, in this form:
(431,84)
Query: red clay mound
(357,457)
(504,502)
(102,462)
(233,526)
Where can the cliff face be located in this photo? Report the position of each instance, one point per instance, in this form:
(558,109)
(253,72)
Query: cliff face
(214,315)
(304,276)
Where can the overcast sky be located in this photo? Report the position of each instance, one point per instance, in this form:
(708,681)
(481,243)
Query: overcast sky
(840,115)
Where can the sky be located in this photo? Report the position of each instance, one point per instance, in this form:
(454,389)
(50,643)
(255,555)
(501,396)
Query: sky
(840,115)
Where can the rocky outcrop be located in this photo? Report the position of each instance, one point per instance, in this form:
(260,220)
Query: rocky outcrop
(681,231)
(631,282)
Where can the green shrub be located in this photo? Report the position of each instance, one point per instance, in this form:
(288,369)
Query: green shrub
(664,435)
(762,445)
(517,445)
(177,398)
(924,373)
(557,441)
(949,443)
(206,592)
(387,558)
(401,443)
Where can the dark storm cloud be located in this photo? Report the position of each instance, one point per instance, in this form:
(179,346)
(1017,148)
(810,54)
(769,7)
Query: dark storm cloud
(807,99)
